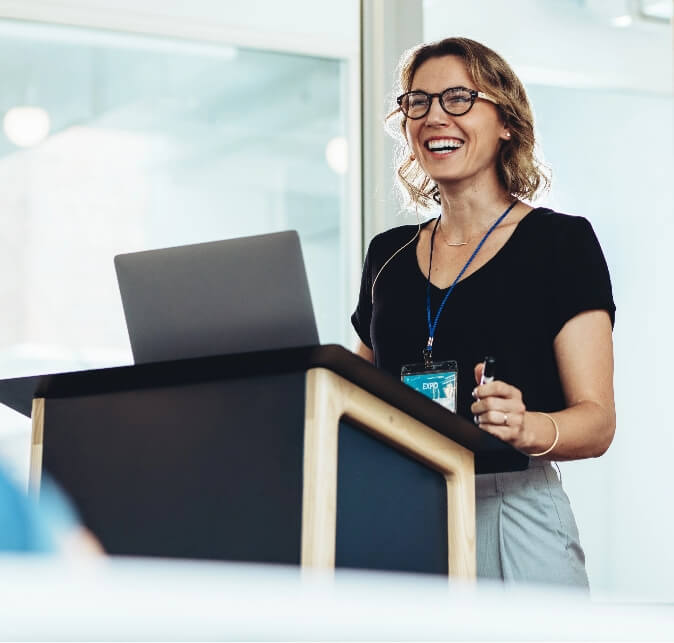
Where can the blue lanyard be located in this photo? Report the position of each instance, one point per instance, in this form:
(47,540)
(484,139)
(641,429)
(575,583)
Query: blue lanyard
(428,351)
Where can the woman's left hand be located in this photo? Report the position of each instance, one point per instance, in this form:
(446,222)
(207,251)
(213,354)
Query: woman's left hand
(499,410)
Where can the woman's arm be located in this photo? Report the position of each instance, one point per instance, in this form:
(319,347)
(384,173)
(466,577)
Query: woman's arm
(584,352)
(364,351)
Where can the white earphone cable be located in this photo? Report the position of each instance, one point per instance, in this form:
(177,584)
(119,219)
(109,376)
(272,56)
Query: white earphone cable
(416,209)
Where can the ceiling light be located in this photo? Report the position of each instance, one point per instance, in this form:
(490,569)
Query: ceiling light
(621,21)
(337,154)
(26,126)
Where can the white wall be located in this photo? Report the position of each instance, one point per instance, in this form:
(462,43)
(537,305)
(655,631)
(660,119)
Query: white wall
(562,42)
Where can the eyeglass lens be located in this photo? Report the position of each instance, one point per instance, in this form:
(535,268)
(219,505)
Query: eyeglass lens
(455,101)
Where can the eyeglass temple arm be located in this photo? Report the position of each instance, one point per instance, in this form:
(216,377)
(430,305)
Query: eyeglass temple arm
(487,97)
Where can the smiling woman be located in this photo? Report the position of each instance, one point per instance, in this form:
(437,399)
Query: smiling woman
(520,171)
(493,275)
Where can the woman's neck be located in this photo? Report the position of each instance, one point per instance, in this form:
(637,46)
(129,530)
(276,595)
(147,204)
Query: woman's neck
(468,213)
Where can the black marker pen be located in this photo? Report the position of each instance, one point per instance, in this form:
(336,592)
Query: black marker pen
(488,374)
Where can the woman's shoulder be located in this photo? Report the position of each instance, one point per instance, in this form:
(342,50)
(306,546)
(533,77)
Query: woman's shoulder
(554,220)
(392,239)
(556,239)
(545,222)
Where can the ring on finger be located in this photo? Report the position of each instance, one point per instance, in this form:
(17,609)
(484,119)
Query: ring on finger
(505,419)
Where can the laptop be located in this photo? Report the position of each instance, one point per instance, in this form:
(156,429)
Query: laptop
(216,298)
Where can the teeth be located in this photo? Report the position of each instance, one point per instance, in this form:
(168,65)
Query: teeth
(444,144)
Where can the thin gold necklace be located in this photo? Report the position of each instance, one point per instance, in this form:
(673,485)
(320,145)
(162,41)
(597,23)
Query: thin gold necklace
(465,243)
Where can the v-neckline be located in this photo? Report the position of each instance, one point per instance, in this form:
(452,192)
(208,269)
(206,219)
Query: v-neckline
(424,275)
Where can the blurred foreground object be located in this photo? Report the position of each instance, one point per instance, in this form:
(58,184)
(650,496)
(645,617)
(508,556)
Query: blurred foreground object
(141,599)
(47,526)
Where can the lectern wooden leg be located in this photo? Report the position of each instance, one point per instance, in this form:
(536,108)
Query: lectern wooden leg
(319,493)
(37,437)
(461,522)
(330,397)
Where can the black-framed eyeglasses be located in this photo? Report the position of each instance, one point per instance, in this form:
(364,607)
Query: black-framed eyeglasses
(456,101)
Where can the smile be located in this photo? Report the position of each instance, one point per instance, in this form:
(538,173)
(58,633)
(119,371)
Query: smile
(440,145)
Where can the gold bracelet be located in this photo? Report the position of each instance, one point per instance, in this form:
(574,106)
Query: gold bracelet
(554,443)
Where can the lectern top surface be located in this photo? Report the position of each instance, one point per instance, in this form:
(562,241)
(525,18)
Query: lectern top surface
(492,454)
(216,298)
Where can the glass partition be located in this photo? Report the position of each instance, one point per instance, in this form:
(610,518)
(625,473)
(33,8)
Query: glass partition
(115,143)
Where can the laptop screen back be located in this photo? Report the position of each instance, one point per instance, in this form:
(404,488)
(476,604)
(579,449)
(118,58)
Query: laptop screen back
(216,298)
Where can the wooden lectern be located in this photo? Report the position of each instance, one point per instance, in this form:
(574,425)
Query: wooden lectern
(306,456)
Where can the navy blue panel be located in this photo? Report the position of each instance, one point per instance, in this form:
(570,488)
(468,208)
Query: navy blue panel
(210,470)
(391,509)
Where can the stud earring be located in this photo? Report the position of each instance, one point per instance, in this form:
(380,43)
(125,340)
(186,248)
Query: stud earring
(412,157)
(507,134)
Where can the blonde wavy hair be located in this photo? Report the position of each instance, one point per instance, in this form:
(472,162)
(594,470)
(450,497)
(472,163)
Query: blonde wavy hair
(519,170)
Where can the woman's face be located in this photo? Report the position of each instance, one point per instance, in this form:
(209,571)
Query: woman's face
(476,135)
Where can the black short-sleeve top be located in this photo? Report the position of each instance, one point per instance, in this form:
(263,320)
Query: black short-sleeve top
(551,269)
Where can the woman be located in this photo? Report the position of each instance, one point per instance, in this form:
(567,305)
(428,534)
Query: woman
(532,289)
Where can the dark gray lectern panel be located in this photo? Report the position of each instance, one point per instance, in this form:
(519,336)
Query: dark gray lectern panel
(208,470)
(391,509)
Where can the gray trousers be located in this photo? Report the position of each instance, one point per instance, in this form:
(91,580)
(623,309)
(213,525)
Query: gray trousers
(526,531)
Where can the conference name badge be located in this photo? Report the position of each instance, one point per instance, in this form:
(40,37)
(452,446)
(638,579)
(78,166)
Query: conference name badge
(436,380)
